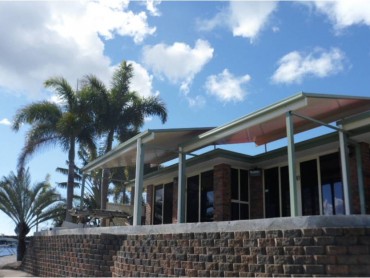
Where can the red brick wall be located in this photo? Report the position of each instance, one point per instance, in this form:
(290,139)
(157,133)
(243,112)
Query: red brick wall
(222,192)
(72,255)
(267,253)
(365,158)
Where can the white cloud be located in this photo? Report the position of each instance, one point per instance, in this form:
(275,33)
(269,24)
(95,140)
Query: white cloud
(179,63)
(5,121)
(141,81)
(151,6)
(344,13)
(295,66)
(196,102)
(227,87)
(245,18)
(48,38)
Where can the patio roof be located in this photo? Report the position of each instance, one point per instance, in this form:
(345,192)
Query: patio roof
(263,126)
(269,124)
(160,145)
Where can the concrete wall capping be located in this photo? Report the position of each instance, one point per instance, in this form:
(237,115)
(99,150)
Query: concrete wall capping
(285,223)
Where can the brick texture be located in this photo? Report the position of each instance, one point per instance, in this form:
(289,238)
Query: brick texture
(242,253)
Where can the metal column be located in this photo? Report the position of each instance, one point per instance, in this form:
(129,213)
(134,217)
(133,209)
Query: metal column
(291,165)
(181,188)
(343,146)
(138,183)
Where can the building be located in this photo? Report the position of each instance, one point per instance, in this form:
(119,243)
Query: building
(325,175)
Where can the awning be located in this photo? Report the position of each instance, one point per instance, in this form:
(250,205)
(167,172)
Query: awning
(161,145)
(260,127)
(269,124)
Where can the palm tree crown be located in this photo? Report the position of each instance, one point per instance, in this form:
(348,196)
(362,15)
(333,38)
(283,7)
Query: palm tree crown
(119,113)
(27,206)
(64,124)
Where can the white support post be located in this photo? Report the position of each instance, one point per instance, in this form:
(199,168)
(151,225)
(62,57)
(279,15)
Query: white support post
(82,191)
(181,188)
(138,183)
(291,165)
(360,178)
(343,146)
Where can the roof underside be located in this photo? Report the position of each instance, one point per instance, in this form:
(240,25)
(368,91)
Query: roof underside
(160,146)
(260,127)
(269,124)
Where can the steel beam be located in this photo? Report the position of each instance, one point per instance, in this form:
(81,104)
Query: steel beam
(291,165)
(343,146)
(138,183)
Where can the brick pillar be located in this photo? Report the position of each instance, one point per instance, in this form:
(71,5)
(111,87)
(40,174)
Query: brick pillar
(355,197)
(256,197)
(222,192)
(149,204)
(365,151)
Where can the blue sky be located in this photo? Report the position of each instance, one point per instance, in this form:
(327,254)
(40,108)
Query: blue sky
(211,62)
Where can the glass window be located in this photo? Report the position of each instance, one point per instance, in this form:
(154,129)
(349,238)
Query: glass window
(239,194)
(158,205)
(331,184)
(200,198)
(285,191)
(277,192)
(192,212)
(168,203)
(207,197)
(309,188)
(163,204)
(272,198)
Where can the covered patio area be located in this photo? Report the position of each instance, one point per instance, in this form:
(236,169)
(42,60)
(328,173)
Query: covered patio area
(346,115)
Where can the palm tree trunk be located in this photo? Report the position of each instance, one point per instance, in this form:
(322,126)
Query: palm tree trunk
(22,230)
(106,175)
(71,180)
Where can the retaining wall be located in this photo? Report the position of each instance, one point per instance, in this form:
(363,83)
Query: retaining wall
(308,246)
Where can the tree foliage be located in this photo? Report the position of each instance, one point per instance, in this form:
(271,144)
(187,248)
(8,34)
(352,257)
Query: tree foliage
(27,205)
(65,124)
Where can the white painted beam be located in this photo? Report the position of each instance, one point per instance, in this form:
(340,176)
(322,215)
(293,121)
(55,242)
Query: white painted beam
(291,165)
(138,183)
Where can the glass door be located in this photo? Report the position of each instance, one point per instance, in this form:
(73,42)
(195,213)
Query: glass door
(309,187)
(331,185)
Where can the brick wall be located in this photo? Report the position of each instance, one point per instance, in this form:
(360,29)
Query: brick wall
(365,160)
(294,252)
(326,251)
(72,255)
(222,192)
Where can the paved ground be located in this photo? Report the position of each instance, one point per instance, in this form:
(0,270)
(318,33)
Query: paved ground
(8,267)
(13,273)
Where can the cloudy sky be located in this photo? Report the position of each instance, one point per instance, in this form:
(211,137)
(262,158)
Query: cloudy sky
(211,62)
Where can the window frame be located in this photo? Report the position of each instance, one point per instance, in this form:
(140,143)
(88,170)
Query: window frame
(239,201)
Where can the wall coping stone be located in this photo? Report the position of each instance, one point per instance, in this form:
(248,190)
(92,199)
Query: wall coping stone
(284,223)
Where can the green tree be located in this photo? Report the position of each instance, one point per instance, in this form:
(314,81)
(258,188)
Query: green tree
(119,112)
(27,206)
(64,124)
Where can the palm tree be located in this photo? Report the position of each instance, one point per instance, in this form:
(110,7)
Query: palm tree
(62,124)
(119,112)
(27,206)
